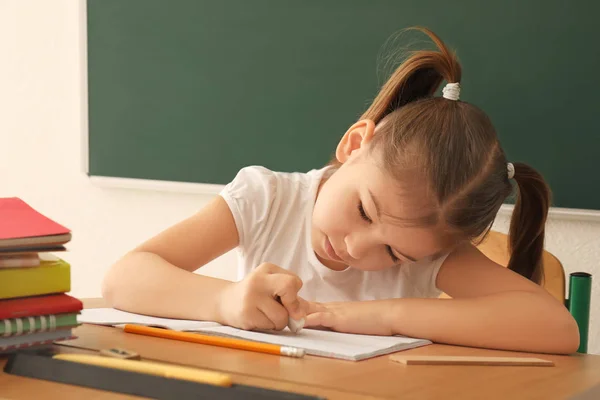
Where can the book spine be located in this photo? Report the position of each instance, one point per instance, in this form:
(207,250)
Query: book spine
(36,343)
(27,325)
(42,305)
(17,262)
(45,279)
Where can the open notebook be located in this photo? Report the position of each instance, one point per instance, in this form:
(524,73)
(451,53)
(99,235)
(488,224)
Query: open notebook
(315,342)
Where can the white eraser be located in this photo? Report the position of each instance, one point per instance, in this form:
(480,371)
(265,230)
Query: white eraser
(295,326)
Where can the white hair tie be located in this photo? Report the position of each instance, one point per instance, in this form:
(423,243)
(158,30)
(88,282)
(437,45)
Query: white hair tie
(451,91)
(511,170)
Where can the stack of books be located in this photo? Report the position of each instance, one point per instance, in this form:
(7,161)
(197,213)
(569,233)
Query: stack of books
(34,307)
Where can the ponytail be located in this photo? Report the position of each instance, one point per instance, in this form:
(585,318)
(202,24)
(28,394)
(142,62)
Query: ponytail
(527,225)
(451,147)
(418,76)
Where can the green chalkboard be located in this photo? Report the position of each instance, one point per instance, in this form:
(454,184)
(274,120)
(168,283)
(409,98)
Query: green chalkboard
(193,90)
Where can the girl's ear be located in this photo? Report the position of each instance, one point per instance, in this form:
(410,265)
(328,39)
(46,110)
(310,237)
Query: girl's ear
(355,139)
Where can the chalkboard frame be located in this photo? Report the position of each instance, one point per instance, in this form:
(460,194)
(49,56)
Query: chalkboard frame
(194,187)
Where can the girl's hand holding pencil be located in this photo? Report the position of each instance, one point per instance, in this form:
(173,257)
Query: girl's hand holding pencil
(265,299)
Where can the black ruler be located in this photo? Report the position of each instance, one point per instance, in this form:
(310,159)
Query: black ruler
(43,366)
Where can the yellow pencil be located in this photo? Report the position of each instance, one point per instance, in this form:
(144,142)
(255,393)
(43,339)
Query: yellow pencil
(216,341)
(151,368)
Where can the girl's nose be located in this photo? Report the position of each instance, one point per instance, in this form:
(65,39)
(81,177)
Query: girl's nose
(357,244)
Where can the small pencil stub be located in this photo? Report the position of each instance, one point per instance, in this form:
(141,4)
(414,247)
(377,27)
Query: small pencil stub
(295,325)
(120,353)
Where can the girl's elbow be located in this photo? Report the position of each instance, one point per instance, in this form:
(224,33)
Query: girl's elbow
(112,286)
(572,337)
(109,287)
(566,335)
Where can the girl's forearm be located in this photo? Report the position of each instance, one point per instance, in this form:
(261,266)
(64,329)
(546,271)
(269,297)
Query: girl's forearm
(521,321)
(145,283)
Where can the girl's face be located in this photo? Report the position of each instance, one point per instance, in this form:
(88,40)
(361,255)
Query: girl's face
(362,216)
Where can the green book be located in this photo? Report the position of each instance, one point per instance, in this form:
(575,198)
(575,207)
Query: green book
(23,325)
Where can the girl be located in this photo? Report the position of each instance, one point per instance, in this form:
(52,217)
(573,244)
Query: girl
(367,244)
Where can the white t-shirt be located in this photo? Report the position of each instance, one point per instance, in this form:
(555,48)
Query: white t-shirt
(273,213)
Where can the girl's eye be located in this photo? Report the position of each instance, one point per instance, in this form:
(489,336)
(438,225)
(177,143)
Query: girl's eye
(363,214)
(391,253)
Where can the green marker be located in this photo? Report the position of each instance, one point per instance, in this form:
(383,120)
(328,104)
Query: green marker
(578,303)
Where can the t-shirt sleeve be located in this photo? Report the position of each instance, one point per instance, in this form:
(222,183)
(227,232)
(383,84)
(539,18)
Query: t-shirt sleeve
(423,276)
(250,196)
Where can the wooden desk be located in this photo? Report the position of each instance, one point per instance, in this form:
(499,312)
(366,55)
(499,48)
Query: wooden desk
(335,379)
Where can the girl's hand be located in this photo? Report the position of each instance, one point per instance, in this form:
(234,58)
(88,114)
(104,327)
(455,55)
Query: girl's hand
(252,303)
(363,317)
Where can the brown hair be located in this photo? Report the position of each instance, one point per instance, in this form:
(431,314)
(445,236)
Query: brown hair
(455,147)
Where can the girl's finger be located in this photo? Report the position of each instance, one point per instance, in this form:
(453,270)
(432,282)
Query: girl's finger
(275,312)
(311,307)
(286,287)
(321,318)
(259,321)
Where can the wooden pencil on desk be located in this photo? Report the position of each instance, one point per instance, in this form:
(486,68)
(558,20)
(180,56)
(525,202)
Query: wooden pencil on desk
(470,360)
(216,341)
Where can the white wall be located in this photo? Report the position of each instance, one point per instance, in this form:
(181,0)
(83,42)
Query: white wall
(42,125)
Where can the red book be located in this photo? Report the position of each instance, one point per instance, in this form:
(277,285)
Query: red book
(22,226)
(39,305)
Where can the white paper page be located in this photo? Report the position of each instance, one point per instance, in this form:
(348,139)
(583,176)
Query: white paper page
(315,342)
(345,346)
(111,316)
